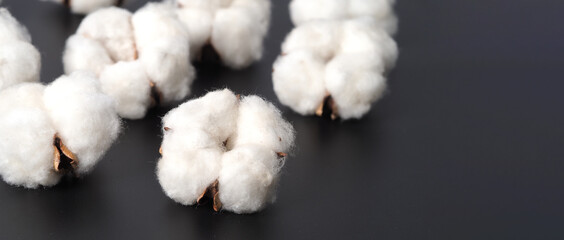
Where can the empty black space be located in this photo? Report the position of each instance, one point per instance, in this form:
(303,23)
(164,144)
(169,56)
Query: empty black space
(466,144)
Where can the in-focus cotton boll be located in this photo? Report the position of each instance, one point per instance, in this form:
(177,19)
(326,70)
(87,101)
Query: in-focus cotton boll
(142,59)
(340,64)
(47,131)
(87,6)
(19,60)
(304,11)
(234,28)
(224,147)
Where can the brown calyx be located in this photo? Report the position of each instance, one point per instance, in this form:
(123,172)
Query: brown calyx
(119,3)
(67,3)
(281,154)
(156,95)
(211,192)
(328,106)
(64,160)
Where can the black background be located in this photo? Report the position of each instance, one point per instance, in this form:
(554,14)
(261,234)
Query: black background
(467,144)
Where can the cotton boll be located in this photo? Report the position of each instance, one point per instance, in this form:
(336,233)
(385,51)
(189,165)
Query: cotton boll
(302,11)
(354,82)
(129,85)
(83,54)
(84,117)
(298,80)
(111,27)
(215,113)
(362,36)
(322,38)
(166,63)
(88,6)
(11,29)
(198,23)
(248,178)
(260,122)
(19,62)
(26,142)
(235,37)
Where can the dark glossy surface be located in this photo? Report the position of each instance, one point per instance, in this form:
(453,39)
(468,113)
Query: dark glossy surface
(467,144)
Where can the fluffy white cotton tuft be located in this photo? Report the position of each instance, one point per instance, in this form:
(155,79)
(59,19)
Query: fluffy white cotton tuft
(72,108)
(138,57)
(84,116)
(219,137)
(234,28)
(305,11)
(26,142)
(248,178)
(84,54)
(342,59)
(298,80)
(111,27)
(19,60)
(129,85)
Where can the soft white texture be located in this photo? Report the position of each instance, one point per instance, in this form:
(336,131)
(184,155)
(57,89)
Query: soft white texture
(26,142)
(19,60)
(88,6)
(219,137)
(127,83)
(344,59)
(112,28)
(129,52)
(235,28)
(73,108)
(304,11)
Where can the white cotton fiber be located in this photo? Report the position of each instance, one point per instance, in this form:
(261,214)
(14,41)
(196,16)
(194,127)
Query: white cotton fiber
(85,117)
(221,138)
(305,11)
(84,54)
(339,59)
(111,27)
(26,142)
(248,178)
(129,85)
(11,29)
(234,28)
(298,80)
(71,108)
(19,60)
(140,58)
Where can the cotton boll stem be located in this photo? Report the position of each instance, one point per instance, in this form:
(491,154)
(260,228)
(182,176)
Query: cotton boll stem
(211,192)
(156,95)
(65,160)
(328,105)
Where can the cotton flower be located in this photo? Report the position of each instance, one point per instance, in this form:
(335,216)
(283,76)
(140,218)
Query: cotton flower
(303,11)
(19,60)
(224,147)
(142,59)
(49,131)
(234,28)
(334,59)
(87,6)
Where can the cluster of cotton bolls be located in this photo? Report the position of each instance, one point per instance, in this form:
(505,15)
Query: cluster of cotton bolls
(19,60)
(141,59)
(336,57)
(234,28)
(225,147)
(49,131)
(87,6)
